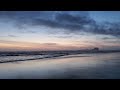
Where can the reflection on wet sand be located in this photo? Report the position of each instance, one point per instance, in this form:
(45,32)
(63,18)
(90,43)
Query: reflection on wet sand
(83,66)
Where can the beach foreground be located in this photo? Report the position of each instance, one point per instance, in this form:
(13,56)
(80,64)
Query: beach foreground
(81,66)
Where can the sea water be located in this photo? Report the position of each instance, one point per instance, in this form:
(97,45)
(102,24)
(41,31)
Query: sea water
(79,66)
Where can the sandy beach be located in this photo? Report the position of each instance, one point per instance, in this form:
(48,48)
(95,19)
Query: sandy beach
(82,66)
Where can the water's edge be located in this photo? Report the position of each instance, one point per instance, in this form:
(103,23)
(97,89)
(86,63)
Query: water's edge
(42,56)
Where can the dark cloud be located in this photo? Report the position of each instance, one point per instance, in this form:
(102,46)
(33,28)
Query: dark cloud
(67,18)
(67,36)
(8,36)
(113,41)
(27,31)
(12,36)
(72,22)
(106,38)
(107,29)
(49,44)
(48,23)
(50,19)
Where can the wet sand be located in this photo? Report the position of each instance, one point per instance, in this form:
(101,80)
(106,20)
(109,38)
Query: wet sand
(82,66)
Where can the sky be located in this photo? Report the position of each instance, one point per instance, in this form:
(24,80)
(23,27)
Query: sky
(59,30)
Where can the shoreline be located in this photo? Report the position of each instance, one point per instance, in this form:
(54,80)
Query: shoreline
(56,56)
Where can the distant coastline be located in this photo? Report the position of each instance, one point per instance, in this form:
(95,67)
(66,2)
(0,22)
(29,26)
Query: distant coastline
(66,52)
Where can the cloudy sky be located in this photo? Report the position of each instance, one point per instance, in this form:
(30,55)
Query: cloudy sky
(59,30)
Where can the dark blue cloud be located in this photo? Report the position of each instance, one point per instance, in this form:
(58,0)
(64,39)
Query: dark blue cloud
(106,38)
(107,29)
(71,21)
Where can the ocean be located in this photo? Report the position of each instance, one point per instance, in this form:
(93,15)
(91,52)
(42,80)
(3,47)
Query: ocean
(61,66)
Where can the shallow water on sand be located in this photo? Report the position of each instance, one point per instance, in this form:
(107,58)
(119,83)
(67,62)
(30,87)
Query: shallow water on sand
(82,66)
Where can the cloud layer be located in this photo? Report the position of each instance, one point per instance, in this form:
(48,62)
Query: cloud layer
(70,21)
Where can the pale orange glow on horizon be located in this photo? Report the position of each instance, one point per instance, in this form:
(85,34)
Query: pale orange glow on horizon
(13,45)
(67,44)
